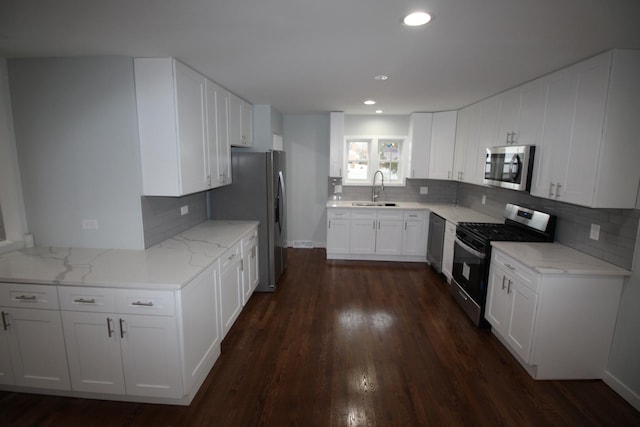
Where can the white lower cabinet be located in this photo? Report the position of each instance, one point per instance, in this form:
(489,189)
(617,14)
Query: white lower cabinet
(31,328)
(388,234)
(121,353)
(230,287)
(558,326)
(447,250)
(250,267)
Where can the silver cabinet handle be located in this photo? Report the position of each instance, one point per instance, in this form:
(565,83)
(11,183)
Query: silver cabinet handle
(109,328)
(510,267)
(374,225)
(504,278)
(25,298)
(405,225)
(551,185)
(329,223)
(558,185)
(509,287)
(121,328)
(232,256)
(5,323)
(85,301)
(464,297)
(143,304)
(241,265)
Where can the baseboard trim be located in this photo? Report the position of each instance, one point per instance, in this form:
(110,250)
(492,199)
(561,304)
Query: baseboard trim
(619,387)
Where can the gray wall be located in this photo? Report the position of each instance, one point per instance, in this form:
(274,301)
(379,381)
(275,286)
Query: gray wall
(388,125)
(306,141)
(77,141)
(618,227)
(162,218)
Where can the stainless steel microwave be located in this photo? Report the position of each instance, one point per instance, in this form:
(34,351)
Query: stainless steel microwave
(509,166)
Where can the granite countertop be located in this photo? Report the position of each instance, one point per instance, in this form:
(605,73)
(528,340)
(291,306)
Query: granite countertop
(554,258)
(167,265)
(451,213)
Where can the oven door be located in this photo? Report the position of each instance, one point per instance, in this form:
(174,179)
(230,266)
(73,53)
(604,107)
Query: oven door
(469,275)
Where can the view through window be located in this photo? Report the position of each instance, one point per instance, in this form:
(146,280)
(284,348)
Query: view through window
(367,155)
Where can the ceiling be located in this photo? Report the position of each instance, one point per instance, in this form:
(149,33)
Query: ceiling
(304,56)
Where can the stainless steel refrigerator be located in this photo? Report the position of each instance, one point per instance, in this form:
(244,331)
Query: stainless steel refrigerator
(258,193)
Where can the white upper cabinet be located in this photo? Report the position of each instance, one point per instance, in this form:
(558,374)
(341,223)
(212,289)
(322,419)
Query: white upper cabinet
(182,122)
(420,135)
(588,152)
(443,139)
(468,160)
(240,122)
(521,114)
(336,143)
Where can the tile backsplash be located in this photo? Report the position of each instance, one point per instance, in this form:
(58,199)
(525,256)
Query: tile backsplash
(162,219)
(618,227)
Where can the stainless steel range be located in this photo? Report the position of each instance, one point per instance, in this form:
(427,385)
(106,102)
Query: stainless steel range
(472,253)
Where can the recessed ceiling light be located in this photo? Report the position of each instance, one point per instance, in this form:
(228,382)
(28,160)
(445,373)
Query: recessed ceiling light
(378,111)
(381,77)
(369,102)
(416,19)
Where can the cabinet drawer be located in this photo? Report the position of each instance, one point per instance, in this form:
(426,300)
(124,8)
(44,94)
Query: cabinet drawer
(338,213)
(101,300)
(528,277)
(158,303)
(391,213)
(29,296)
(231,255)
(414,215)
(363,214)
(250,240)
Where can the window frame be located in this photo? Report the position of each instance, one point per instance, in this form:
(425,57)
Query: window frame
(374,160)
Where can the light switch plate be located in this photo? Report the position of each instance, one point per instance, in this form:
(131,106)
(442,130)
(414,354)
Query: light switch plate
(484,199)
(89,224)
(595,232)
(184,210)
(424,190)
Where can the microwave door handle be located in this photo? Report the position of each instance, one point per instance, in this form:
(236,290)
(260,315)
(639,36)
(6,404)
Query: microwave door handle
(514,161)
(468,248)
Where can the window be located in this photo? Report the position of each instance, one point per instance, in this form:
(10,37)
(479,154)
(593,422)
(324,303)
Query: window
(366,155)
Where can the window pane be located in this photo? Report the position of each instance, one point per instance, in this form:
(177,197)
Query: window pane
(389,158)
(358,160)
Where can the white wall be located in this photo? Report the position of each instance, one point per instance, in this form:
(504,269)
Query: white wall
(11,200)
(387,125)
(623,367)
(306,141)
(77,142)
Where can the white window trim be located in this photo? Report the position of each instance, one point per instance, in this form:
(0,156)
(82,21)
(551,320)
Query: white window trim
(373,161)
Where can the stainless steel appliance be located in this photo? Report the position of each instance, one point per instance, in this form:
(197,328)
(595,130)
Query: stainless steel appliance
(509,166)
(258,193)
(436,241)
(472,253)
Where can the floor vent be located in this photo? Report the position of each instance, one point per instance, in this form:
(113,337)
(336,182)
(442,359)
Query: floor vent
(303,244)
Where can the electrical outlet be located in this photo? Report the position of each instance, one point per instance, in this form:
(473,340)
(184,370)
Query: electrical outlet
(89,224)
(484,199)
(595,232)
(184,210)
(424,190)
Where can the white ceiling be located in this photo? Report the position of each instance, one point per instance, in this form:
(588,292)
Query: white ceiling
(305,56)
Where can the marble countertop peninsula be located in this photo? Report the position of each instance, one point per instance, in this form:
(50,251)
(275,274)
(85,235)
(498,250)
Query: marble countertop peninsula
(451,213)
(168,265)
(554,258)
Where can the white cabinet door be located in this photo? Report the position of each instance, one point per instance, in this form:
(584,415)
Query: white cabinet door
(32,334)
(389,237)
(150,355)
(508,117)
(240,122)
(230,289)
(531,119)
(414,238)
(487,134)
(201,329)
(447,249)
(336,143)
(218,141)
(246,127)
(443,138)
(6,371)
(249,265)
(338,235)
(497,299)
(420,134)
(192,138)
(93,349)
(363,236)
(468,159)
(522,306)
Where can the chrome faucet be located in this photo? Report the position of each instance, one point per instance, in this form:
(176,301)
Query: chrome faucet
(374,196)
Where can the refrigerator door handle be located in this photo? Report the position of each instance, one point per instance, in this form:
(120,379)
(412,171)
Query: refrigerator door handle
(284,204)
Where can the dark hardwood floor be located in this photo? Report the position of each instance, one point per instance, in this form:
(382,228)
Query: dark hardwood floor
(352,344)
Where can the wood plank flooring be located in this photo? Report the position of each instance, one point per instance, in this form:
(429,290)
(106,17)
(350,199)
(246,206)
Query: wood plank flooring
(352,344)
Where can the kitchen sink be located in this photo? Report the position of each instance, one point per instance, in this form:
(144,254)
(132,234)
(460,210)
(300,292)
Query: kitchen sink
(385,204)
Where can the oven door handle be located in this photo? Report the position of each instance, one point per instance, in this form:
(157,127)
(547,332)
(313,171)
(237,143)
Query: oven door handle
(468,248)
